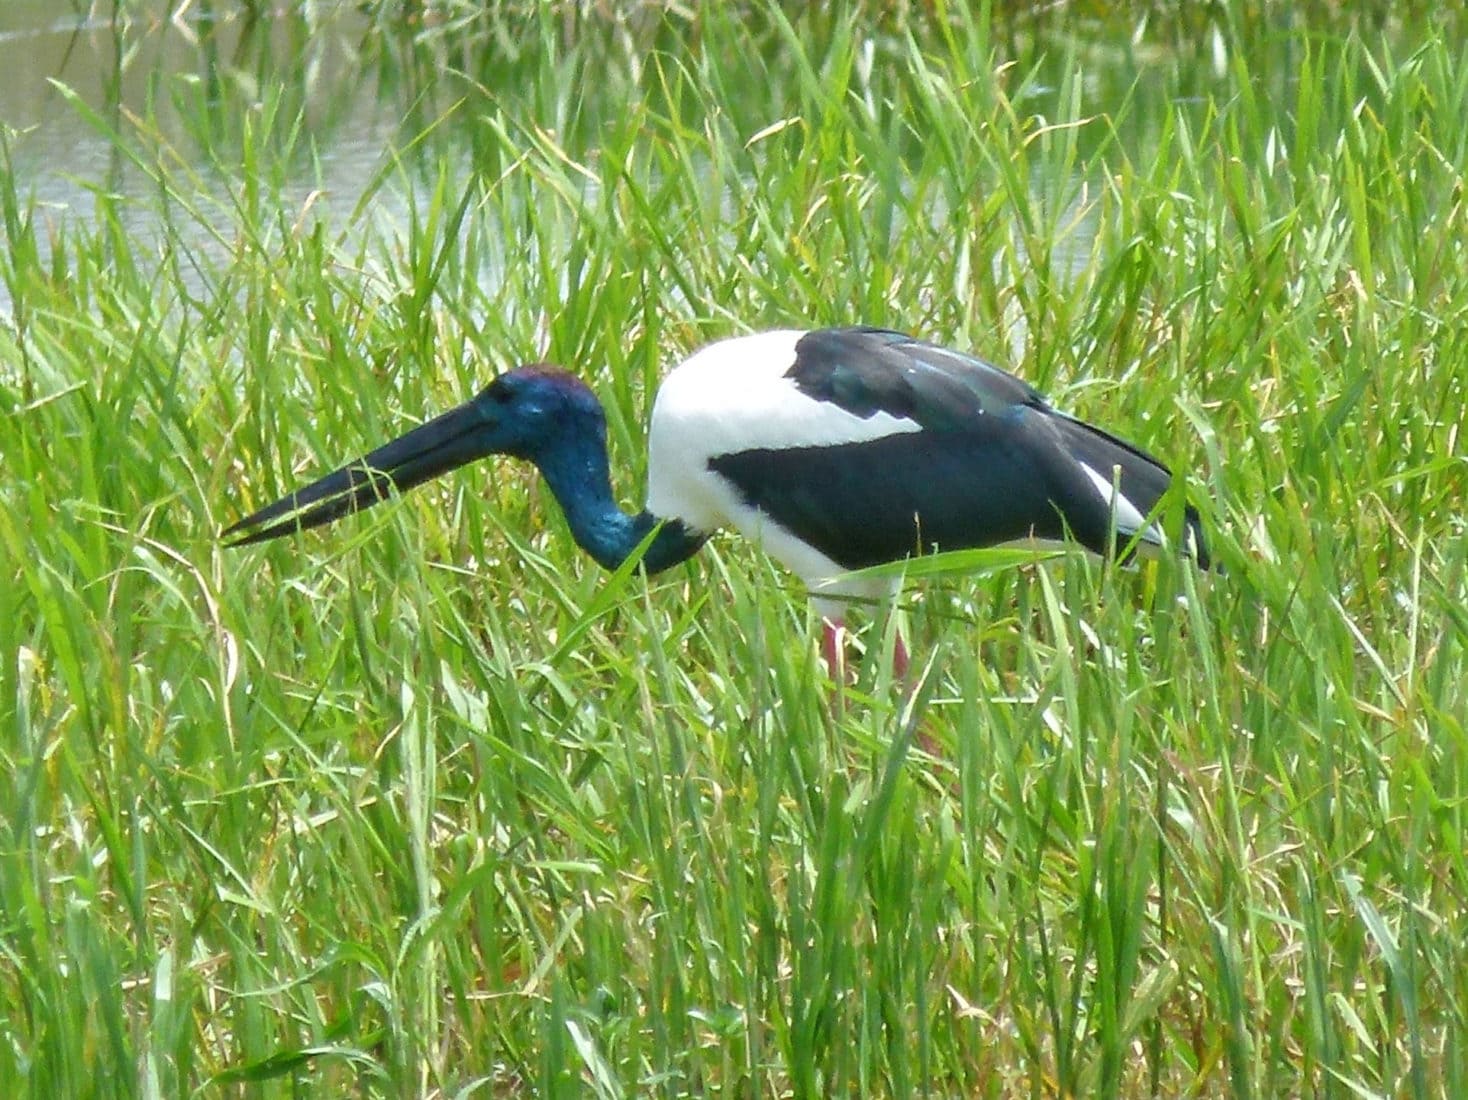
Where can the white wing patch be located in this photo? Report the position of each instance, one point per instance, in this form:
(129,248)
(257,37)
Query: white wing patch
(1129,519)
(735,396)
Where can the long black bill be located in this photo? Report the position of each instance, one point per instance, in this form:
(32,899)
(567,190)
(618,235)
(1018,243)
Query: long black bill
(444,443)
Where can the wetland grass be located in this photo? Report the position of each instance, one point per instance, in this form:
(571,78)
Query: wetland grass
(434,806)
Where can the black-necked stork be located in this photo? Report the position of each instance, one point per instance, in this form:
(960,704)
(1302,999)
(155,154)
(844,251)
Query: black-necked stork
(834,449)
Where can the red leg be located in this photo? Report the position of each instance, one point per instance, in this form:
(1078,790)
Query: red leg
(900,659)
(833,647)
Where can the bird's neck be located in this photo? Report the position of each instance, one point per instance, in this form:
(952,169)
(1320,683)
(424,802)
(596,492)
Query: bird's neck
(579,479)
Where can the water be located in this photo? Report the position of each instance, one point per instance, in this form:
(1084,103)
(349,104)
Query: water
(369,86)
(365,86)
(198,78)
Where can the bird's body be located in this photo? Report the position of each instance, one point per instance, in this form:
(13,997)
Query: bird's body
(834,449)
(846,448)
(722,423)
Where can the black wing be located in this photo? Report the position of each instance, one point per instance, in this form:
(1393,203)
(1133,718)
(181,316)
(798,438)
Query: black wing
(868,370)
(990,462)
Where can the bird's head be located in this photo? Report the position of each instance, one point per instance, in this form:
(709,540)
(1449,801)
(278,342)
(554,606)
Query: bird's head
(531,412)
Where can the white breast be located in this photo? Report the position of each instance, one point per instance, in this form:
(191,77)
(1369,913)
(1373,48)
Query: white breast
(734,396)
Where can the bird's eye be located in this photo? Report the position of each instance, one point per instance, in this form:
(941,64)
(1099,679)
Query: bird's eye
(501,394)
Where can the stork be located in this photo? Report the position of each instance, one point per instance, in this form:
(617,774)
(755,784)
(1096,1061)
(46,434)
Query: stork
(833,449)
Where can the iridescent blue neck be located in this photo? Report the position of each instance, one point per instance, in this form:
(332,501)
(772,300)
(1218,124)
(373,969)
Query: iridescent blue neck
(575,468)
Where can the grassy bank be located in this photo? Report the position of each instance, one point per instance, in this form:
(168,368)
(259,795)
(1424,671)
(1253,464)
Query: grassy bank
(432,805)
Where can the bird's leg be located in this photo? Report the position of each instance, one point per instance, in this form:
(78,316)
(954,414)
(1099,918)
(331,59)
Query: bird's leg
(900,659)
(833,648)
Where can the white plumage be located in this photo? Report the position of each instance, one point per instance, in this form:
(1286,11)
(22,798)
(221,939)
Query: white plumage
(737,395)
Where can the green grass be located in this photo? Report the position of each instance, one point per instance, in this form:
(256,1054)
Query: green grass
(431,805)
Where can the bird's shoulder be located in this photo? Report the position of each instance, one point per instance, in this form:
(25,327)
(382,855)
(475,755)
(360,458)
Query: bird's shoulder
(871,370)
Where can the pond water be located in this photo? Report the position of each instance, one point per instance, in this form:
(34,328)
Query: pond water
(190,77)
(73,77)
